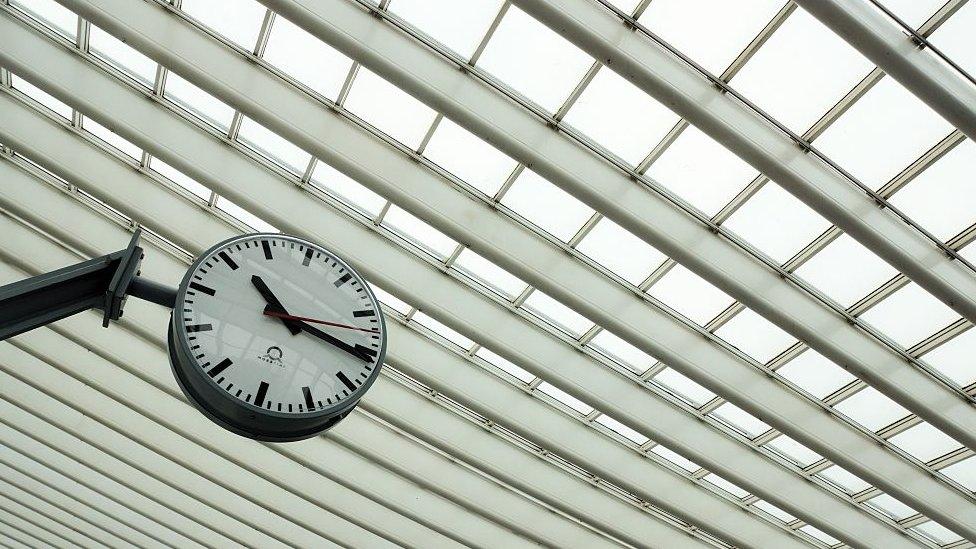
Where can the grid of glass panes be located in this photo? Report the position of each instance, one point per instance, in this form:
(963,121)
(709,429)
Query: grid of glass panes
(750,205)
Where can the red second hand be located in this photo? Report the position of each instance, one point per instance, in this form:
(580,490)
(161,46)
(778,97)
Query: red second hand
(317,321)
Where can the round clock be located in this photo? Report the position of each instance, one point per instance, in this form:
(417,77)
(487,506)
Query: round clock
(274,337)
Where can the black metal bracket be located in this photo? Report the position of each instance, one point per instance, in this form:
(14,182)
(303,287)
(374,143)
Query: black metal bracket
(100,283)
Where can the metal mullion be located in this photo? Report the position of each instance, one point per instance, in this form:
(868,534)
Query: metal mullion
(574,96)
(347,84)
(429,133)
(480,48)
(264,34)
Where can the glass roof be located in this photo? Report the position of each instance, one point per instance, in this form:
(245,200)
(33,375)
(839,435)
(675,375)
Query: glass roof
(798,73)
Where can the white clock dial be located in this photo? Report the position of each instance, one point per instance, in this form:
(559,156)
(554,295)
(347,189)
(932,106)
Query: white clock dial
(281,324)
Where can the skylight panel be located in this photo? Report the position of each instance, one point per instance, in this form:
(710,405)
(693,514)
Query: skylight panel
(684,386)
(871,140)
(620,116)
(956,38)
(690,295)
(913,12)
(468,157)
(954,359)
(390,300)
(774,511)
(419,232)
(546,205)
(963,472)
(122,56)
(534,60)
(755,336)
(925,442)
(871,409)
(620,251)
(725,485)
(801,72)
(819,534)
(564,397)
(197,101)
(444,331)
(238,20)
(622,351)
(557,314)
(909,315)
(891,506)
(675,458)
(52,14)
(306,58)
(777,222)
(247,217)
(936,531)
(41,96)
(792,449)
(505,365)
(710,33)
(108,136)
(459,29)
(942,198)
(621,429)
(489,274)
(701,171)
(844,478)
(389,108)
(845,270)
(815,374)
(278,149)
(179,178)
(347,189)
(739,418)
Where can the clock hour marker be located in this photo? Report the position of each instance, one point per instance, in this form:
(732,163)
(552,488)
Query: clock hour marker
(308,256)
(230,262)
(308,398)
(364,312)
(201,288)
(198,327)
(345,381)
(267,249)
(262,390)
(342,280)
(220,367)
(365,351)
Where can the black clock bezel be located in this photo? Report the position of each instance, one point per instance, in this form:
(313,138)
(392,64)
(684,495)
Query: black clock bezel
(241,417)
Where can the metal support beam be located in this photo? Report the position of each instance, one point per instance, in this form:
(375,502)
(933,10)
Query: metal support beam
(939,85)
(209,160)
(487,394)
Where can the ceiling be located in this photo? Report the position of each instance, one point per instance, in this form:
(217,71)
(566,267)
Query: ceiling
(656,273)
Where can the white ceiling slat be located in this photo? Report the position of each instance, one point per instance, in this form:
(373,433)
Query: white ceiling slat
(409,344)
(40,462)
(214,163)
(526,470)
(78,517)
(20,520)
(936,83)
(861,444)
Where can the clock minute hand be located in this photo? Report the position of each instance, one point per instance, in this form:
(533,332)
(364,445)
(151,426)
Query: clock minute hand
(274,304)
(312,330)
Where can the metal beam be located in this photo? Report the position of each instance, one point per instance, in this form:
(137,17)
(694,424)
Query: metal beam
(903,57)
(805,410)
(211,161)
(454,376)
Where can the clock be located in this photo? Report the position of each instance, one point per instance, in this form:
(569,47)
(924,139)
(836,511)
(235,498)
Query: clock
(274,337)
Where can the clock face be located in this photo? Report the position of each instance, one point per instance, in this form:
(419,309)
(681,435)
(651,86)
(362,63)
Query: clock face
(279,324)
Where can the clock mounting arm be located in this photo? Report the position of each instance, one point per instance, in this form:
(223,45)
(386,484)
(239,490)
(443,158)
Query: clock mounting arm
(100,283)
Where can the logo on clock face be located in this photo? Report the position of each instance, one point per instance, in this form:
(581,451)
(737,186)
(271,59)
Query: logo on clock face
(273,356)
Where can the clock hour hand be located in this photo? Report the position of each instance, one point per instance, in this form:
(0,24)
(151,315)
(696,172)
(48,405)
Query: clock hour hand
(338,343)
(275,305)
